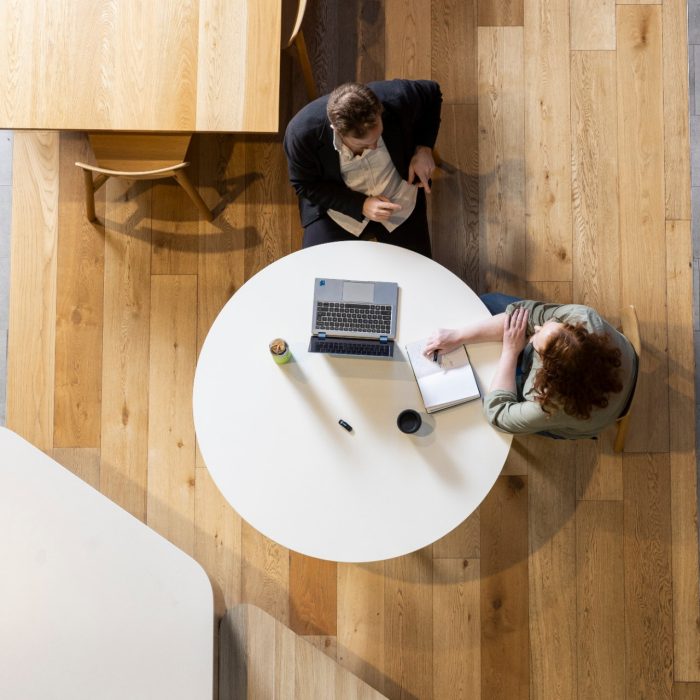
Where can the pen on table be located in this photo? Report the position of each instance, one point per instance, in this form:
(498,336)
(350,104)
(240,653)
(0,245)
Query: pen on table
(345,425)
(435,355)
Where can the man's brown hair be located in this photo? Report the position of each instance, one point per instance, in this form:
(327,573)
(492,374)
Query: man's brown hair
(579,371)
(353,109)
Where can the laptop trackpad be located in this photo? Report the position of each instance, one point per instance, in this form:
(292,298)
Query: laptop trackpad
(358,291)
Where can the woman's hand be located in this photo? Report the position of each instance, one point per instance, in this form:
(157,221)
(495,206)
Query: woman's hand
(515,332)
(444,340)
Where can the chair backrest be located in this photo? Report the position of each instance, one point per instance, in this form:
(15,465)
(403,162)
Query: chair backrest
(292,16)
(126,151)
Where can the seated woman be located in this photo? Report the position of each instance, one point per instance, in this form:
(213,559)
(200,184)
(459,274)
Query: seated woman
(564,371)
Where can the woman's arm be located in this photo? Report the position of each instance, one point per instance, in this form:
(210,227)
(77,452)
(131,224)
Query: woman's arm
(447,339)
(514,341)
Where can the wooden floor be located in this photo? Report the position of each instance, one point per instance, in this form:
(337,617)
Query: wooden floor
(565,177)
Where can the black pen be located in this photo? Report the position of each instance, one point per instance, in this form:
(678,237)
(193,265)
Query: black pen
(345,425)
(435,355)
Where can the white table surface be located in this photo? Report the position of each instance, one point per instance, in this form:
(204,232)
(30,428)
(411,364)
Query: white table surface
(93,604)
(270,437)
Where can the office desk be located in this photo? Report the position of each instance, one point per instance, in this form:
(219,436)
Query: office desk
(93,604)
(130,65)
(269,433)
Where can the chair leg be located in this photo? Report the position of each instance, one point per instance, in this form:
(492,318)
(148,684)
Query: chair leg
(89,196)
(305,65)
(621,434)
(186,185)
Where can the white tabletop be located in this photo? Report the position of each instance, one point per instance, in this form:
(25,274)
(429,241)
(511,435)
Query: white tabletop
(93,604)
(269,433)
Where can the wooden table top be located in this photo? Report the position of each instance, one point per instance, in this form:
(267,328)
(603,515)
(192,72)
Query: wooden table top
(123,65)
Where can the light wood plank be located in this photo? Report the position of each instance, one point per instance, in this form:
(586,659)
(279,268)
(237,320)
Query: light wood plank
(265,577)
(408,625)
(455,240)
(407,39)
(217,541)
(32,308)
(686,593)
(325,644)
(171,444)
(312,595)
(642,228)
(676,136)
(557,292)
(504,590)
(547,140)
(552,569)
(454,41)
(84,462)
(456,641)
(600,599)
(501,160)
(647,576)
(125,342)
(594,182)
(361,621)
(500,13)
(463,542)
(79,306)
(592,25)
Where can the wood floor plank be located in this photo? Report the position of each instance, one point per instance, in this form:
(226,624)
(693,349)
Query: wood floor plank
(370,41)
(456,641)
(84,462)
(648,591)
(558,292)
(125,343)
(328,645)
(79,305)
(453,43)
(265,576)
(269,204)
(501,13)
(552,569)
(518,457)
(463,542)
(600,599)
(676,127)
(312,595)
(408,39)
(595,206)
(547,140)
(686,593)
(361,621)
(175,228)
(217,541)
(501,160)
(592,25)
(32,308)
(642,227)
(455,239)
(598,469)
(504,590)
(171,444)
(408,626)
(686,691)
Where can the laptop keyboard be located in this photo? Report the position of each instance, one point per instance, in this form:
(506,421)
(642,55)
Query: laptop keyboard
(360,318)
(336,346)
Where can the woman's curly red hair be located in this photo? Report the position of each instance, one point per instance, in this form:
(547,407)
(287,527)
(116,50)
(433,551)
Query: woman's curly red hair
(579,371)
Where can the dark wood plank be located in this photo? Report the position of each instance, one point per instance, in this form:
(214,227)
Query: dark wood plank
(648,591)
(312,595)
(407,39)
(499,13)
(505,668)
(370,41)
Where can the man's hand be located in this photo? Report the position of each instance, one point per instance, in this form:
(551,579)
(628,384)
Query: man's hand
(379,208)
(422,165)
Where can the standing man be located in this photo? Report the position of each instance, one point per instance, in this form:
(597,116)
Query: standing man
(360,160)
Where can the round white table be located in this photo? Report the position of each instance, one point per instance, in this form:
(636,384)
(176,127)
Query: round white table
(269,433)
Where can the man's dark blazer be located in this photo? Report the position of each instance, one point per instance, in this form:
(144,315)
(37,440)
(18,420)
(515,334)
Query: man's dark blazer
(411,118)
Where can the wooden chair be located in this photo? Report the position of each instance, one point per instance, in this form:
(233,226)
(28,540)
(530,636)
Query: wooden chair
(630,328)
(292,34)
(138,156)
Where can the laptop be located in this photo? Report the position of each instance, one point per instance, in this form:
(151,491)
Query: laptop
(354,318)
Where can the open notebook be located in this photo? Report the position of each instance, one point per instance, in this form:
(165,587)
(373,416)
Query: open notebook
(445,383)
